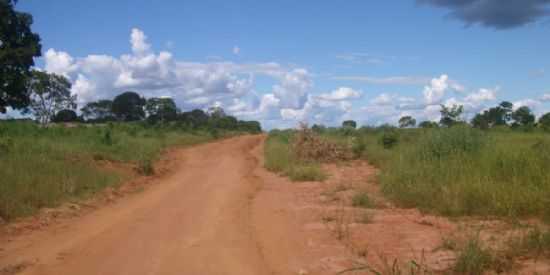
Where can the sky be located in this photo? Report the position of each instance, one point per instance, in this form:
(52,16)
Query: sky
(286,61)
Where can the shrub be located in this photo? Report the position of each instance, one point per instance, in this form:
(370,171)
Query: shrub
(389,139)
(362,200)
(473,258)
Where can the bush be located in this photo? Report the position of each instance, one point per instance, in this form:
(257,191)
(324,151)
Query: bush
(362,200)
(389,139)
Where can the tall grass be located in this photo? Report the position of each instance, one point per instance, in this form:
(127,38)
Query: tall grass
(464,171)
(42,167)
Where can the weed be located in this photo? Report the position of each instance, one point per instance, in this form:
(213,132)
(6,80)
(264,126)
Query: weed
(473,258)
(362,200)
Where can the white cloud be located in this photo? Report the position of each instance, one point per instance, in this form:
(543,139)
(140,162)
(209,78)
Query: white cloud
(342,93)
(59,62)
(436,90)
(545,97)
(138,40)
(482,95)
(236,50)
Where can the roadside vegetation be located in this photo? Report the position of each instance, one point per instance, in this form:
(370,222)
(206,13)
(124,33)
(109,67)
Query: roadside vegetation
(496,167)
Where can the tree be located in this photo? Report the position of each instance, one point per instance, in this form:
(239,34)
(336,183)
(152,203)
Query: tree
(407,121)
(523,116)
(428,124)
(481,121)
(161,109)
(194,119)
(349,124)
(216,112)
(128,106)
(451,115)
(544,121)
(18,46)
(49,94)
(100,110)
(65,115)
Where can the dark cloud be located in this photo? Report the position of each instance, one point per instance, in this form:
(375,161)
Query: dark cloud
(498,14)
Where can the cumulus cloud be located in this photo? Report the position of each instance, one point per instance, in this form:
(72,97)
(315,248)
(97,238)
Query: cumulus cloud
(200,85)
(138,40)
(498,14)
(342,93)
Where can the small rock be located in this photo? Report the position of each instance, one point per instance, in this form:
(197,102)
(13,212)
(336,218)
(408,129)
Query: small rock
(302,272)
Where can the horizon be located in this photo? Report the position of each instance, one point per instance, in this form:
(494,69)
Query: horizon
(284,63)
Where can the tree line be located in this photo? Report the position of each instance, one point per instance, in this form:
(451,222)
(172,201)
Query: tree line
(502,115)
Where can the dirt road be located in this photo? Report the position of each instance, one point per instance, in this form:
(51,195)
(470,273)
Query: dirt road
(196,220)
(217,211)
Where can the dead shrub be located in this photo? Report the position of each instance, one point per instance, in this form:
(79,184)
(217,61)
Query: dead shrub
(308,146)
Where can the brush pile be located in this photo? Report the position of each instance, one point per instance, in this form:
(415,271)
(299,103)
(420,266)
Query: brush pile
(309,146)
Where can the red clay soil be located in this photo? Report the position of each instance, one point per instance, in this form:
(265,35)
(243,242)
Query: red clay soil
(218,211)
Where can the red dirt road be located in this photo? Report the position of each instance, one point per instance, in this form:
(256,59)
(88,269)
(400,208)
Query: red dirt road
(202,218)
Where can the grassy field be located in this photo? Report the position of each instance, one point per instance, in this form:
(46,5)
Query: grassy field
(42,167)
(454,171)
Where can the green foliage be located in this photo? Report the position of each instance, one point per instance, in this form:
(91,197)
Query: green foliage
(407,121)
(389,139)
(65,116)
(473,258)
(496,116)
(349,123)
(362,200)
(523,116)
(451,116)
(460,170)
(128,106)
(428,124)
(161,109)
(98,111)
(18,47)
(544,122)
(49,93)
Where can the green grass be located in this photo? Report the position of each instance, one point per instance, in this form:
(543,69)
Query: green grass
(362,200)
(460,171)
(280,159)
(473,258)
(42,167)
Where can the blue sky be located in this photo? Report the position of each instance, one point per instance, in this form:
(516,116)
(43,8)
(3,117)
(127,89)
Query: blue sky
(285,61)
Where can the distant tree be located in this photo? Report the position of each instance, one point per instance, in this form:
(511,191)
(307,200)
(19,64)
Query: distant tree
(451,115)
(349,124)
(194,119)
(216,112)
(128,106)
(253,127)
(161,109)
(18,46)
(407,121)
(544,121)
(49,94)
(428,124)
(523,116)
(65,115)
(480,121)
(100,110)
(318,128)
